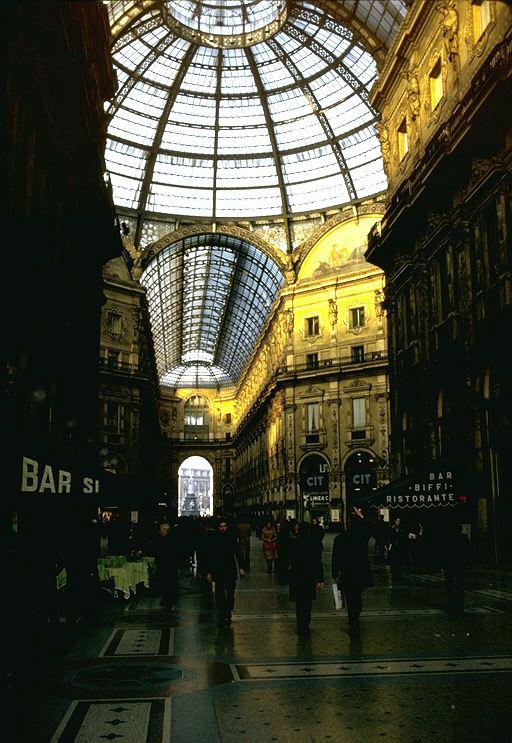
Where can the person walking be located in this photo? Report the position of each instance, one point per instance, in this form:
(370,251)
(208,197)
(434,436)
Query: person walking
(351,566)
(166,551)
(305,574)
(454,562)
(224,569)
(381,532)
(269,539)
(244,543)
(397,546)
(317,530)
(283,549)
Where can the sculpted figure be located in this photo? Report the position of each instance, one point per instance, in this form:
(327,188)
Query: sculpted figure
(383,135)
(450,28)
(413,95)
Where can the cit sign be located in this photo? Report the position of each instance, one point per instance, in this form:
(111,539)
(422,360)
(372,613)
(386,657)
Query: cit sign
(314,482)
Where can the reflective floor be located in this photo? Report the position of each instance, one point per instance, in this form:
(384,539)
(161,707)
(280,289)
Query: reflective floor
(149,675)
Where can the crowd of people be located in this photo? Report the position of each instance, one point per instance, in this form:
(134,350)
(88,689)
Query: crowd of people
(218,551)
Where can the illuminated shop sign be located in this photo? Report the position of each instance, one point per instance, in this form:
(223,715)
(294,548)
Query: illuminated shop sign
(314,482)
(43,478)
(431,490)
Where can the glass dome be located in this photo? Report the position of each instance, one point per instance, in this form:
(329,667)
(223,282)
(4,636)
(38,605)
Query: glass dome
(227,22)
(268,129)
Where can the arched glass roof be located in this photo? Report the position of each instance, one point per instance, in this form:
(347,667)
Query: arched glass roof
(209,296)
(267,129)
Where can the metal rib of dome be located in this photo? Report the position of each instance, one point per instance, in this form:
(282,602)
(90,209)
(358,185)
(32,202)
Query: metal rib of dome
(278,128)
(208,296)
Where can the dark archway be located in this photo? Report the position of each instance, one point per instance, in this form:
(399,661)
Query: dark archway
(314,487)
(360,477)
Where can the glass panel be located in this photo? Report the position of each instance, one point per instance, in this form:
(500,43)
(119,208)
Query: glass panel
(208,297)
(217,115)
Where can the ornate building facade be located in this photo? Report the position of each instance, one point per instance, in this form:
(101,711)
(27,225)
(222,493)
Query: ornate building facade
(445,246)
(60,222)
(312,401)
(130,433)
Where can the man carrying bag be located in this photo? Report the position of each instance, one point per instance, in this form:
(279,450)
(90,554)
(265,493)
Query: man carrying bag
(351,567)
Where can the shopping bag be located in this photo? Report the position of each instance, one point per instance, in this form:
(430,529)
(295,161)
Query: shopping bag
(339,602)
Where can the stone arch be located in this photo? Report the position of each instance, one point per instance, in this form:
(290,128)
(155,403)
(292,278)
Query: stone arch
(360,475)
(196,488)
(347,215)
(314,485)
(204,229)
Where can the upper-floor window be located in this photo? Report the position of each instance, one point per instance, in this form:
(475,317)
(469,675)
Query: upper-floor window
(312,422)
(357,354)
(357,319)
(403,139)
(481,17)
(311,326)
(113,357)
(113,417)
(358,418)
(196,418)
(436,84)
(312,361)
(114,324)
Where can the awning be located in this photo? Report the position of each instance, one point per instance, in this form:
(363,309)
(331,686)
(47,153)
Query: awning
(434,488)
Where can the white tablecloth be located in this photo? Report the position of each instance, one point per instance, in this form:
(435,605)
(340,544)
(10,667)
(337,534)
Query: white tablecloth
(124,574)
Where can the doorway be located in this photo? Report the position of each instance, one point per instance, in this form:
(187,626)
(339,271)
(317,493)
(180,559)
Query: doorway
(195,487)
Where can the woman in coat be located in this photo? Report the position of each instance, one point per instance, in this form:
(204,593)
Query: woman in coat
(269,539)
(351,566)
(283,546)
(305,573)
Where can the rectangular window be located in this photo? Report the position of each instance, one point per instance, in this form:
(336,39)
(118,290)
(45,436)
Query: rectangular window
(312,326)
(403,140)
(357,317)
(358,418)
(312,423)
(481,17)
(113,357)
(436,84)
(312,361)
(114,417)
(114,324)
(357,354)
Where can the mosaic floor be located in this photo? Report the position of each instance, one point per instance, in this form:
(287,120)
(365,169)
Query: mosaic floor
(149,675)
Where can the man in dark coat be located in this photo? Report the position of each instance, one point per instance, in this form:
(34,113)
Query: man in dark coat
(454,560)
(223,570)
(351,567)
(397,549)
(165,549)
(305,573)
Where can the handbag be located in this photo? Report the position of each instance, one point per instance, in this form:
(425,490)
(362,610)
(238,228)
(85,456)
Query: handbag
(339,598)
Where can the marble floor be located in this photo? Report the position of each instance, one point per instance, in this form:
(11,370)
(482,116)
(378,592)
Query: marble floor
(149,675)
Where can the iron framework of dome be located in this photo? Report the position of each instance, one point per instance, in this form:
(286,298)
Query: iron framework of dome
(208,297)
(212,122)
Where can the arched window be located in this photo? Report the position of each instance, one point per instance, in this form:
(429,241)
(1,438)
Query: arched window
(197,418)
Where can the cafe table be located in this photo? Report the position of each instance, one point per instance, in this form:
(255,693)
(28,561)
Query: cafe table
(124,574)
